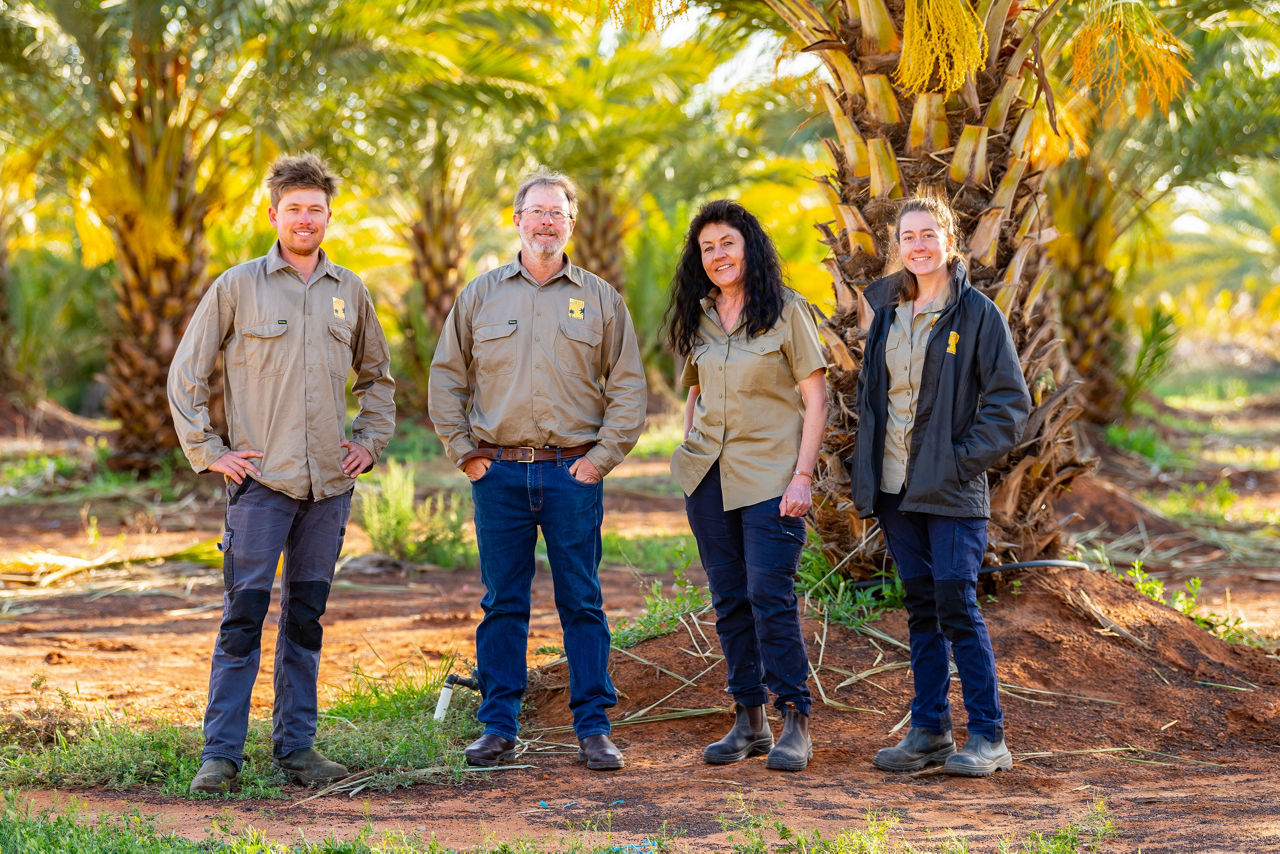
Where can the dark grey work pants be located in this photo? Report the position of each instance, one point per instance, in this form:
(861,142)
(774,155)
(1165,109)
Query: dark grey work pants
(261,524)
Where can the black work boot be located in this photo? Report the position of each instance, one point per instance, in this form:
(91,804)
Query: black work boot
(794,749)
(216,777)
(750,736)
(980,757)
(306,765)
(919,749)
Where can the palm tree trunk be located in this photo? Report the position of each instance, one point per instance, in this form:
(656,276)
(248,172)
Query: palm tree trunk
(439,240)
(971,149)
(600,234)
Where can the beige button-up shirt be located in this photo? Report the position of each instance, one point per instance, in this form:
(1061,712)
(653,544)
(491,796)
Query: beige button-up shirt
(749,414)
(288,347)
(904,351)
(520,364)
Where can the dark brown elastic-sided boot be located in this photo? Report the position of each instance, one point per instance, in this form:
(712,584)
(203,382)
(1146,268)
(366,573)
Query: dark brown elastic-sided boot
(794,749)
(750,736)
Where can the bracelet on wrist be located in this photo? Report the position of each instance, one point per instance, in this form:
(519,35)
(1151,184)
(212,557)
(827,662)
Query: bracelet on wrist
(799,473)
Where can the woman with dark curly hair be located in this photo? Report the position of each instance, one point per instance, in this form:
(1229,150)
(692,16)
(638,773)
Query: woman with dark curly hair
(941,398)
(753,422)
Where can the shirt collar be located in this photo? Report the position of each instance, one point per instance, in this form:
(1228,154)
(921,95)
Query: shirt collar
(568,271)
(277,262)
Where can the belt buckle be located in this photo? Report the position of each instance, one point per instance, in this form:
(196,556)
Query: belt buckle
(532,453)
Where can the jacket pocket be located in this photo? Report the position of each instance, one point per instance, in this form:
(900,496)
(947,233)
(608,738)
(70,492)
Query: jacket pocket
(265,350)
(339,353)
(494,350)
(578,349)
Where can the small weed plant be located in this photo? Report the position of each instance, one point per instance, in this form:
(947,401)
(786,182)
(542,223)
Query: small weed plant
(821,585)
(662,613)
(431,532)
(1186,602)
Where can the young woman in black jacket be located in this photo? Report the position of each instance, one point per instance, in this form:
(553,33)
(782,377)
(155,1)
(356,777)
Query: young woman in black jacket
(941,398)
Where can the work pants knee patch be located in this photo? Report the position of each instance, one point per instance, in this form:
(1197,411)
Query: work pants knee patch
(241,631)
(305,606)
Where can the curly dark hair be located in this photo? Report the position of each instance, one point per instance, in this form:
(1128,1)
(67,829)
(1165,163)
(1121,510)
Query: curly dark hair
(764,283)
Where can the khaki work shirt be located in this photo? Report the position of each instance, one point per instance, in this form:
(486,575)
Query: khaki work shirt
(288,348)
(904,352)
(557,365)
(749,414)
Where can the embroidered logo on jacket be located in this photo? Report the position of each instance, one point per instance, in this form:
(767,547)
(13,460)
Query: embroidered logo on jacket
(576,307)
(952,340)
(339,309)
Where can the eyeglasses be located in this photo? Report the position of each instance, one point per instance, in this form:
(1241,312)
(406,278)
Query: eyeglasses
(557,216)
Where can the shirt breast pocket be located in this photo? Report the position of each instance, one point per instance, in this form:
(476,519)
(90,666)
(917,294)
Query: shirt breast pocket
(764,365)
(339,355)
(578,349)
(493,350)
(265,349)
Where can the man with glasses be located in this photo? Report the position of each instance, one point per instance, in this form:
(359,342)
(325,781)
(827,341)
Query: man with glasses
(537,391)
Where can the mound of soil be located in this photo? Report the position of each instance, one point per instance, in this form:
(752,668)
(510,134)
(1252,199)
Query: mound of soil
(1087,662)
(45,420)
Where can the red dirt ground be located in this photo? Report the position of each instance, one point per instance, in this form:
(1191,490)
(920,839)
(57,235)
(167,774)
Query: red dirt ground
(1109,696)
(1201,776)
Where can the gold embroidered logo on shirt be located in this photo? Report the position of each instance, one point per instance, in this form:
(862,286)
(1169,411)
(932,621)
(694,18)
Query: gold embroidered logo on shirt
(575,308)
(952,340)
(339,309)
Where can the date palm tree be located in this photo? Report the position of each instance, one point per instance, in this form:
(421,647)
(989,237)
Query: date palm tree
(1136,161)
(943,97)
(169,100)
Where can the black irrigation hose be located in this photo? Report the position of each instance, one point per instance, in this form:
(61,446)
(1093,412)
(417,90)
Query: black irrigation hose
(987,570)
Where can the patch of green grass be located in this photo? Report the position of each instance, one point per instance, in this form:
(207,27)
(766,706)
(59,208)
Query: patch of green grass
(1211,389)
(1218,503)
(821,585)
(1146,442)
(374,722)
(660,437)
(433,531)
(1264,457)
(662,613)
(752,832)
(413,441)
(658,553)
(77,476)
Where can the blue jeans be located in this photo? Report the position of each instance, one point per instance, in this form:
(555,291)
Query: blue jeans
(751,555)
(261,524)
(512,502)
(938,558)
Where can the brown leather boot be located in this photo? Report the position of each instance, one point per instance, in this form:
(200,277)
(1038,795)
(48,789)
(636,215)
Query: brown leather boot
(750,736)
(794,748)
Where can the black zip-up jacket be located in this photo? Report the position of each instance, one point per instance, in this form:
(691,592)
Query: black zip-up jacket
(971,411)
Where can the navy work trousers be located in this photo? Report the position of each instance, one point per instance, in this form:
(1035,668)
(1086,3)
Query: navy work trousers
(513,501)
(938,558)
(262,524)
(751,555)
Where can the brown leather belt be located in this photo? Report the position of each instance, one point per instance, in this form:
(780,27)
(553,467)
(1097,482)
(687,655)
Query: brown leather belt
(525,454)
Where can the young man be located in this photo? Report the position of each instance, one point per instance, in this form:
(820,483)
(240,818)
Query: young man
(290,326)
(538,392)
